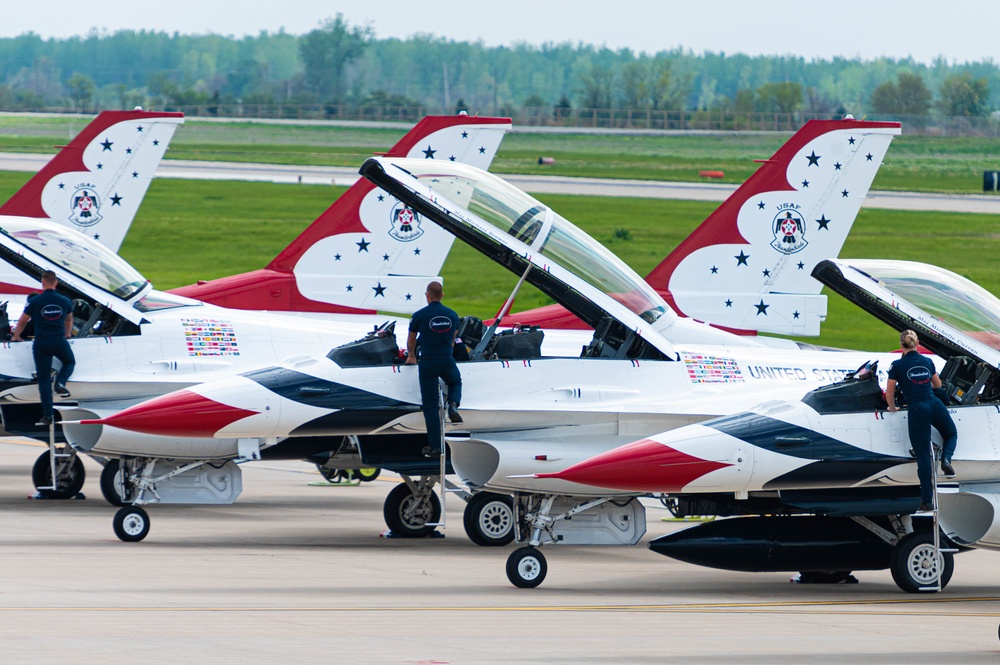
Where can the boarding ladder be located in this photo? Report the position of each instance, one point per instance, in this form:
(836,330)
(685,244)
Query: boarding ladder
(54,456)
(935,514)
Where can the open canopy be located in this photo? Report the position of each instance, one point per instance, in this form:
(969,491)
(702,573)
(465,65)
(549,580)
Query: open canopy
(952,315)
(517,231)
(86,269)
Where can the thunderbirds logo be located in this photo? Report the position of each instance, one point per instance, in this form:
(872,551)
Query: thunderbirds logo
(789,229)
(405,223)
(85,206)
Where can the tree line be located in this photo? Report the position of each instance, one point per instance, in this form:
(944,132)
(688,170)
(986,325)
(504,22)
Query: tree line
(342,64)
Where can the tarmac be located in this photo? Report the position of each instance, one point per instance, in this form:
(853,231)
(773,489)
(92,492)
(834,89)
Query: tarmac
(293,573)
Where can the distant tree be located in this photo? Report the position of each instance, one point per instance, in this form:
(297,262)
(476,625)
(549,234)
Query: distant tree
(907,95)
(745,101)
(596,84)
(383,98)
(327,51)
(819,104)
(960,94)
(81,90)
(667,91)
(634,85)
(779,97)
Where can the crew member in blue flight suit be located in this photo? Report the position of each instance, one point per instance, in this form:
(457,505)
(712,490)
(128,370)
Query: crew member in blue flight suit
(434,327)
(917,378)
(52,316)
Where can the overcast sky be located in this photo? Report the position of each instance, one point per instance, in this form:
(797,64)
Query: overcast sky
(960,30)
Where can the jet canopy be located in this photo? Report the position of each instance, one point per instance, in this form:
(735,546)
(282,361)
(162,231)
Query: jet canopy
(85,268)
(519,232)
(954,317)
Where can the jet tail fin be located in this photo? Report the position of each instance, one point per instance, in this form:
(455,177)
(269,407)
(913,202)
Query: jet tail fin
(747,266)
(367,252)
(96,183)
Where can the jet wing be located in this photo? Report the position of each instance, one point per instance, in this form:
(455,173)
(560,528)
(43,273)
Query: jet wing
(516,231)
(952,315)
(85,268)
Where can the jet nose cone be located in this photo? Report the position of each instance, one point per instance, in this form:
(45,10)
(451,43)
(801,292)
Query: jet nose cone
(641,466)
(181,413)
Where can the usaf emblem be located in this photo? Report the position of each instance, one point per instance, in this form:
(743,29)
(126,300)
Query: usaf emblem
(404,223)
(85,206)
(789,230)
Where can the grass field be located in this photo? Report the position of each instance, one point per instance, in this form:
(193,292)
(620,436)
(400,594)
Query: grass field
(914,163)
(190,230)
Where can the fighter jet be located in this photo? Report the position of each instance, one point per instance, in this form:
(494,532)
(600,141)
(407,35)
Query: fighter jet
(644,370)
(837,463)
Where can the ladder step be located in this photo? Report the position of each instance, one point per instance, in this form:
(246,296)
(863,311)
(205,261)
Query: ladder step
(949,550)
(929,588)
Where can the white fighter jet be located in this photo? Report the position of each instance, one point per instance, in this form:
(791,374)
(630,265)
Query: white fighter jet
(645,368)
(836,467)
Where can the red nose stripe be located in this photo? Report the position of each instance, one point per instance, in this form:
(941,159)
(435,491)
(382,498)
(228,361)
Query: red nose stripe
(183,413)
(641,466)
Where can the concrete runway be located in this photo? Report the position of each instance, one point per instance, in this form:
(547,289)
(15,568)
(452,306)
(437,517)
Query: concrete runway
(694,191)
(299,574)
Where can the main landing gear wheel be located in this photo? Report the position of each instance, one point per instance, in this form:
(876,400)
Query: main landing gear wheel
(131,524)
(69,477)
(367,474)
(915,565)
(526,567)
(489,519)
(113,482)
(407,514)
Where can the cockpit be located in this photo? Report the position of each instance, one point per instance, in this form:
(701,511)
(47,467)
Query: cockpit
(955,318)
(109,296)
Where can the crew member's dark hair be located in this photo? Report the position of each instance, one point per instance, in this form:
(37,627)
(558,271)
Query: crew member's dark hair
(435,291)
(49,277)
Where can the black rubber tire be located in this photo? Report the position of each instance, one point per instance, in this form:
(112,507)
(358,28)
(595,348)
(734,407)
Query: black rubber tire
(489,519)
(912,563)
(110,482)
(823,576)
(399,502)
(329,475)
(526,567)
(367,474)
(131,524)
(70,477)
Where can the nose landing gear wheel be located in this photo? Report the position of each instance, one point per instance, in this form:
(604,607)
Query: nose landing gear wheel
(131,524)
(489,519)
(526,567)
(915,565)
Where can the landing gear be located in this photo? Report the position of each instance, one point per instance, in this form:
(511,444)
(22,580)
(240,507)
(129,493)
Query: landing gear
(412,510)
(915,564)
(70,474)
(113,483)
(526,567)
(365,475)
(489,519)
(131,524)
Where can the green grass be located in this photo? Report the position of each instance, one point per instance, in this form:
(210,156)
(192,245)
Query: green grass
(914,163)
